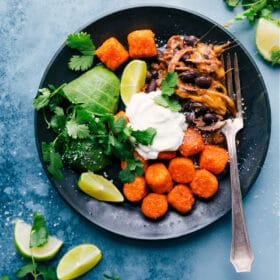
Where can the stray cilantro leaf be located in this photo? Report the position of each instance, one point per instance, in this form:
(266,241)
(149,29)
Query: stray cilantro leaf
(232,3)
(76,130)
(275,56)
(39,233)
(168,83)
(53,159)
(144,137)
(26,269)
(83,43)
(5,277)
(167,102)
(80,62)
(134,167)
(111,276)
(48,273)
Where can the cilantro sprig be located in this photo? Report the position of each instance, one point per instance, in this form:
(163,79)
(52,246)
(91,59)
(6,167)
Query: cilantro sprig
(253,9)
(82,42)
(75,123)
(38,237)
(166,99)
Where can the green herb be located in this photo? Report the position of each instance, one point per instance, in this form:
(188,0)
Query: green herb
(253,9)
(39,233)
(83,43)
(5,277)
(144,137)
(38,237)
(111,276)
(166,99)
(275,56)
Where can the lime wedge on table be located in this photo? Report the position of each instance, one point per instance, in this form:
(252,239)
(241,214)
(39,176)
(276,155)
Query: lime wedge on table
(78,261)
(133,79)
(22,238)
(99,187)
(267,38)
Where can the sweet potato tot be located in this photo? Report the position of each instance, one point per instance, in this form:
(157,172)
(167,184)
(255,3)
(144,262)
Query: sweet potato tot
(192,143)
(112,53)
(167,155)
(213,158)
(136,190)
(204,184)
(158,178)
(181,169)
(181,198)
(154,205)
(141,43)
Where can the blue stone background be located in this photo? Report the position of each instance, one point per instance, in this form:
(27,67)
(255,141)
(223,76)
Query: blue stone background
(30,33)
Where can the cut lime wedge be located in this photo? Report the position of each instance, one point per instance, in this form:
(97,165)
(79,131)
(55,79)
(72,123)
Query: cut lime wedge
(99,187)
(78,261)
(267,38)
(133,79)
(22,238)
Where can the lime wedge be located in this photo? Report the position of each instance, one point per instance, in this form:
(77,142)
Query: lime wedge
(267,38)
(22,238)
(78,261)
(99,187)
(133,79)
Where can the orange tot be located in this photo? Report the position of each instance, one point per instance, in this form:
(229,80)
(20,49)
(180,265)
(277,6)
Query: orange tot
(112,53)
(181,169)
(158,178)
(141,43)
(192,143)
(213,158)
(154,205)
(167,155)
(181,198)
(204,184)
(136,190)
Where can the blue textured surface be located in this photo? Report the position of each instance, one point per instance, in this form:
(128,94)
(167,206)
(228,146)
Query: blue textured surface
(30,33)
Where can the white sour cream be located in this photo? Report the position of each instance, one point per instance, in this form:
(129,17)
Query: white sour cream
(143,113)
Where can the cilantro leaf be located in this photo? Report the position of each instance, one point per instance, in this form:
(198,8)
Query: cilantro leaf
(111,276)
(5,277)
(80,62)
(48,273)
(118,125)
(167,102)
(53,159)
(144,137)
(232,3)
(134,167)
(76,130)
(39,233)
(275,56)
(44,97)
(58,120)
(26,269)
(168,83)
(82,42)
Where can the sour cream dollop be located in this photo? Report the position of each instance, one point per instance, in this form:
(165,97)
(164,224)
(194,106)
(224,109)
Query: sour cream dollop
(143,112)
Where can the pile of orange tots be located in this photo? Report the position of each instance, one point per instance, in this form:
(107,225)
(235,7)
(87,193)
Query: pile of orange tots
(175,180)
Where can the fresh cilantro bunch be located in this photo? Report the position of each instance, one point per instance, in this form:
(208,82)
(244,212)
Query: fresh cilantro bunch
(83,43)
(253,9)
(38,237)
(87,141)
(166,99)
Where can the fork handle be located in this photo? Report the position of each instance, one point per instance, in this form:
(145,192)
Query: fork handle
(241,253)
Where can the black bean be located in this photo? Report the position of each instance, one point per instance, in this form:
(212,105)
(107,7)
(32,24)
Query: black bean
(189,117)
(152,86)
(190,40)
(209,118)
(189,76)
(154,74)
(198,108)
(203,81)
(220,89)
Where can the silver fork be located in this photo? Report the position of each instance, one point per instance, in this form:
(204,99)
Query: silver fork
(241,255)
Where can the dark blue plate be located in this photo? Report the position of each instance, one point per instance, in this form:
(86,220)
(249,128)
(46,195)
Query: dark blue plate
(126,219)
